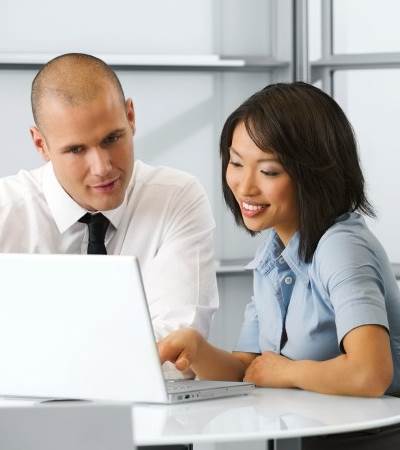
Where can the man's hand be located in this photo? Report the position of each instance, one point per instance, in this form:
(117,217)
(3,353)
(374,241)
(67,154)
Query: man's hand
(181,348)
(270,370)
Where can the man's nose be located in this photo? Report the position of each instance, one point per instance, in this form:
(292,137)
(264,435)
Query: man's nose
(100,162)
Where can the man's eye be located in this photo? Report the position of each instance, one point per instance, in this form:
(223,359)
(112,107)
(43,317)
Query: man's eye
(75,150)
(111,139)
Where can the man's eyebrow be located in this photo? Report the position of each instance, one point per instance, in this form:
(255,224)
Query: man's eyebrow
(266,159)
(117,131)
(70,146)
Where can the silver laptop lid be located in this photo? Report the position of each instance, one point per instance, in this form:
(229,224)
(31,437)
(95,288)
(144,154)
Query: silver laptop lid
(78,327)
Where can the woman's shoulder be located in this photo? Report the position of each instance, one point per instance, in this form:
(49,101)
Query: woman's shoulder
(346,246)
(349,231)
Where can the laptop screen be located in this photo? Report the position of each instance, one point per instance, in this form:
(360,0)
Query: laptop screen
(77,326)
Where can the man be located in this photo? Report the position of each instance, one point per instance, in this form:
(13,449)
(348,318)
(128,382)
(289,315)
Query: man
(84,129)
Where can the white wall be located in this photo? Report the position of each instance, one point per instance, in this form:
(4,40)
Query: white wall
(179,114)
(366,26)
(369,97)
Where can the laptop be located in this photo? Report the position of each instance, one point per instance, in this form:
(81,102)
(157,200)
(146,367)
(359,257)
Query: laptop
(78,327)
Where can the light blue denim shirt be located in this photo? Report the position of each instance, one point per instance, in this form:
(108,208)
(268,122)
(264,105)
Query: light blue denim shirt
(348,283)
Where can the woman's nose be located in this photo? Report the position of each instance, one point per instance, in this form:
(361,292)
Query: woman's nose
(247,184)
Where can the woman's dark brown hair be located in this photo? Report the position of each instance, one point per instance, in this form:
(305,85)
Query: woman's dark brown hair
(315,143)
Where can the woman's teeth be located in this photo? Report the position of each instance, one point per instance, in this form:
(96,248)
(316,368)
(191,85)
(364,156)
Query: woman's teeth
(252,207)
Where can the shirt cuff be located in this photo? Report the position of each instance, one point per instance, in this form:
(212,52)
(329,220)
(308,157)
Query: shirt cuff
(359,314)
(247,344)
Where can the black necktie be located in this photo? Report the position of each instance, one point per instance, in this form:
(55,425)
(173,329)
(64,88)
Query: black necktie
(98,225)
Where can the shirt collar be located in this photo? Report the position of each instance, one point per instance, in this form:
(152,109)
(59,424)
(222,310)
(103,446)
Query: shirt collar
(291,256)
(267,253)
(64,209)
(115,215)
(267,256)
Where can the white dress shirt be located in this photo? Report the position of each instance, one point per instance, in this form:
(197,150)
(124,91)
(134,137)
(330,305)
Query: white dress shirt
(165,220)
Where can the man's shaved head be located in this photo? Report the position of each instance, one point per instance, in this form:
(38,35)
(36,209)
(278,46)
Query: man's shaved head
(73,78)
(84,128)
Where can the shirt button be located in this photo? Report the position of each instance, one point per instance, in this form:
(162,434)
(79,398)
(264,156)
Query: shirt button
(281,260)
(288,280)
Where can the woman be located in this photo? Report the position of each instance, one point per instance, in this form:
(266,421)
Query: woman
(325,315)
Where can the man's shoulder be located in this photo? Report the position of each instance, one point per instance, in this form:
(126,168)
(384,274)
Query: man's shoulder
(161,176)
(23,186)
(168,189)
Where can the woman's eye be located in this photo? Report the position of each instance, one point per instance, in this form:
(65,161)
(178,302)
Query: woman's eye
(235,164)
(270,173)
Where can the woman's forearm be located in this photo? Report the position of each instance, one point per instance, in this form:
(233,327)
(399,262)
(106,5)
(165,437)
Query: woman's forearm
(366,369)
(187,349)
(215,364)
(340,376)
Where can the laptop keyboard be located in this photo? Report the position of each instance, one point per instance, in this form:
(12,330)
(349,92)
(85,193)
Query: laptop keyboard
(180,385)
(174,386)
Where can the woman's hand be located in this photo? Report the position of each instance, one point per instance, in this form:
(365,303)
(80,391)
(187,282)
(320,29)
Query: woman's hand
(270,370)
(181,347)
(187,349)
(366,369)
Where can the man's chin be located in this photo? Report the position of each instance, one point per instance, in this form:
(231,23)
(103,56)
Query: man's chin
(103,204)
(108,206)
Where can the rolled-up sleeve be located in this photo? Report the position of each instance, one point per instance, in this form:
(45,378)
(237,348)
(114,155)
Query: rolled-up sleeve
(249,334)
(352,277)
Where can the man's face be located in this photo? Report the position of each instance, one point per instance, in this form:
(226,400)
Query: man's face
(90,146)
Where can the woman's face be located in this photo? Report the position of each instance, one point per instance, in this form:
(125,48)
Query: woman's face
(263,189)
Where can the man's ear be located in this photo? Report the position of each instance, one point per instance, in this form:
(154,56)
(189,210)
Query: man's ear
(39,143)
(130,114)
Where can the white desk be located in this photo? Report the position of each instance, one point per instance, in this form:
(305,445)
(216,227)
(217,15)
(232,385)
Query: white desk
(266,414)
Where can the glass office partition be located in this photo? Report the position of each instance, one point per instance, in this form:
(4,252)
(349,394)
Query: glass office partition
(359,66)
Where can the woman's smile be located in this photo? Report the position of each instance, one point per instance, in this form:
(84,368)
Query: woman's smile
(251,209)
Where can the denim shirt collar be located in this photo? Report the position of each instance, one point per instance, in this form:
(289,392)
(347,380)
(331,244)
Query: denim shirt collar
(272,249)
(262,256)
(291,255)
